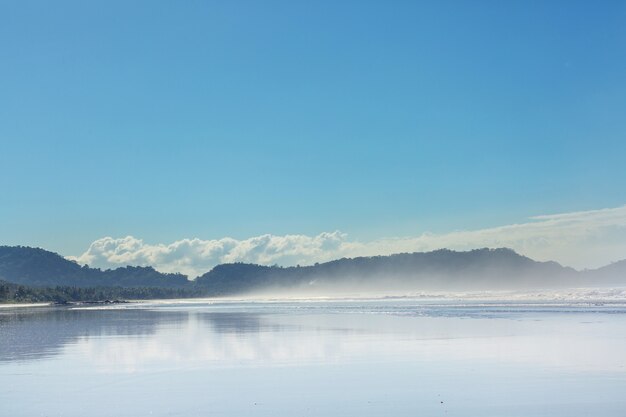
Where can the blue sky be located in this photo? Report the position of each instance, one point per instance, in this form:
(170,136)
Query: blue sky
(172,120)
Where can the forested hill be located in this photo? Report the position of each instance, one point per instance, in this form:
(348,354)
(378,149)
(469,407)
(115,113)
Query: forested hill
(479,269)
(441,270)
(38,267)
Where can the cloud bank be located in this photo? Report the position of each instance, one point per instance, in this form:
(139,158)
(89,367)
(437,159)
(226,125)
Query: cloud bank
(585,239)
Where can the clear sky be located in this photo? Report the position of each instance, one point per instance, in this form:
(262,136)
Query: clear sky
(168,120)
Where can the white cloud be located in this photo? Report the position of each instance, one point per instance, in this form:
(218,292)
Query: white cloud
(195,256)
(584,239)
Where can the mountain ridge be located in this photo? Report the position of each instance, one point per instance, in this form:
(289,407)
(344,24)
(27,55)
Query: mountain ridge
(443,269)
(39,267)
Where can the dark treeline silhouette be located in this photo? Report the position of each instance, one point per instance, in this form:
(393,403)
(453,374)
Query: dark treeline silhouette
(46,276)
(16,293)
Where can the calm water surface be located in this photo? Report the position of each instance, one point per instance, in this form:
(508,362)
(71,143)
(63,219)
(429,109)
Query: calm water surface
(331,358)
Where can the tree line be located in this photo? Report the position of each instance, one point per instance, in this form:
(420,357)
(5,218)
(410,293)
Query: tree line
(16,293)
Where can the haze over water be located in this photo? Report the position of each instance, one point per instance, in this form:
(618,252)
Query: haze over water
(401,357)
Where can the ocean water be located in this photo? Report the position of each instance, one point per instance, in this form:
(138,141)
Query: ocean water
(385,357)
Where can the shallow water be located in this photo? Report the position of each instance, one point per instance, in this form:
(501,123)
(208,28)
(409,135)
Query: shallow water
(319,358)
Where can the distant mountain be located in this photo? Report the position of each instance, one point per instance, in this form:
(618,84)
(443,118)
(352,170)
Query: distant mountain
(481,269)
(613,274)
(441,270)
(38,267)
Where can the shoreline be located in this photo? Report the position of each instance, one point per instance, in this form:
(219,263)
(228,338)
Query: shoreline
(579,295)
(24,305)
(64,304)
